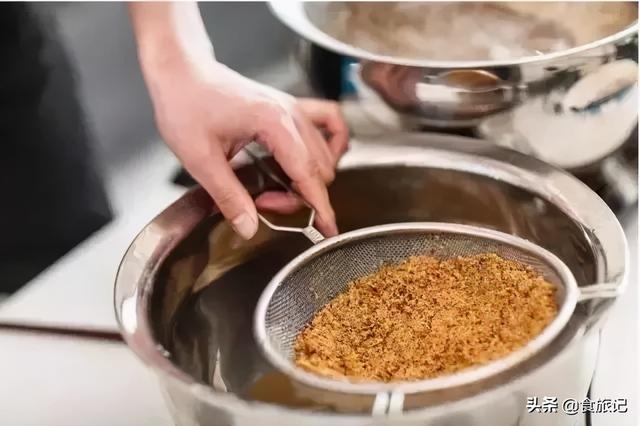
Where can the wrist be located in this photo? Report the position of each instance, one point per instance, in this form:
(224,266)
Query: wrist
(170,36)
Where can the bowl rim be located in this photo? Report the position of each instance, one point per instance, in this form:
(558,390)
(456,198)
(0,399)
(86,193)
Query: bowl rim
(293,15)
(151,246)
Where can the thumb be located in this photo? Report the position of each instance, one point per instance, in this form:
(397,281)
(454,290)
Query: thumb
(216,176)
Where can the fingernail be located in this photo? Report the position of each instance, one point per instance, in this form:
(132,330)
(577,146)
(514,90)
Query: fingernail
(245,226)
(330,227)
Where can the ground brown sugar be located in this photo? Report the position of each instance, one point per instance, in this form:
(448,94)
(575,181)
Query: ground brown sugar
(426,317)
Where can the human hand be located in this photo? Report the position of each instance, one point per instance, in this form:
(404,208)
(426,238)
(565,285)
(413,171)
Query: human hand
(207,113)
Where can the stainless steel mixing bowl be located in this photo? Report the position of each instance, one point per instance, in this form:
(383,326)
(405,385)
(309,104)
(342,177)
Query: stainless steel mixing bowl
(187,287)
(462,93)
(572,108)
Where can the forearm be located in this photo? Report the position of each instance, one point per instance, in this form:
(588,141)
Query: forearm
(207,113)
(168,34)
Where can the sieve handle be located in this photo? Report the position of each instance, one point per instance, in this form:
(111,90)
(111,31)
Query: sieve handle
(308,231)
(599,291)
(388,404)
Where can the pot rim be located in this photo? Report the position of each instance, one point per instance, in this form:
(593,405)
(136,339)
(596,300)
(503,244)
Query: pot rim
(293,15)
(146,254)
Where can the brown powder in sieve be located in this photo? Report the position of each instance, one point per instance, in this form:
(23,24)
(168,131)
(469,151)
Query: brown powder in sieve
(427,317)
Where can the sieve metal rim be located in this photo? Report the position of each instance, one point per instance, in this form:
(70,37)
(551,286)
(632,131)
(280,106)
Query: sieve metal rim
(464,377)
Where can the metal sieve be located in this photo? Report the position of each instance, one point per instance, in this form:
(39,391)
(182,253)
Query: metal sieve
(311,280)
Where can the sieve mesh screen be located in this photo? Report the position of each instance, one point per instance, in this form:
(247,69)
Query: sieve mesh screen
(320,277)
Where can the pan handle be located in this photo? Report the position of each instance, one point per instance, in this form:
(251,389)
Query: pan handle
(308,231)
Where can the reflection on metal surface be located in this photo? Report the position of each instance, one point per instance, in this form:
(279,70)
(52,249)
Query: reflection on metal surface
(395,178)
(573,108)
(457,97)
(276,388)
(458,93)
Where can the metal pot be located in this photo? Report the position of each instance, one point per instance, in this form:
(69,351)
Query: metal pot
(581,101)
(187,286)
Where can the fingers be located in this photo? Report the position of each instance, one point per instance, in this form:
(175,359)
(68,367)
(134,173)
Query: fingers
(286,203)
(327,115)
(279,202)
(275,128)
(318,148)
(213,171)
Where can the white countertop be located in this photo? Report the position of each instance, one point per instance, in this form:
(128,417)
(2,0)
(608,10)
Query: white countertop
(48,380)
(73,382)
